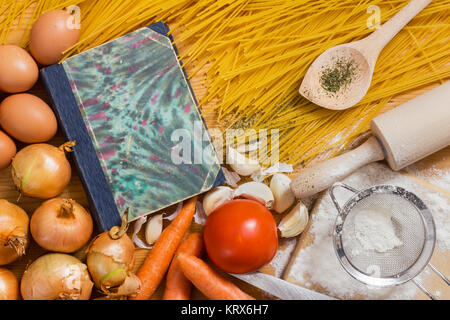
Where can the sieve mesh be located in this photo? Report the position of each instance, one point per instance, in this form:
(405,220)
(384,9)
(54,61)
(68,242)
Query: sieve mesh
(407,224)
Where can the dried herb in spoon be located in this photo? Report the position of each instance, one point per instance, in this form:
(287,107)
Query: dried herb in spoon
(339,75)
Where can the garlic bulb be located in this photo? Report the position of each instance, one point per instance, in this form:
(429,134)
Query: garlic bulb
(294,222)
(153,229)
(256,191)
(241,164)
(284,197)
(216,197)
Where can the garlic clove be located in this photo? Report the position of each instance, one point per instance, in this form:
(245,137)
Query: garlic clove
(153,229)
(294,222)
(216,197)
(279,167)
(173,215)
(249,147)
(284,197)
(256,191)
(200,214)
(231,177)
(241,164)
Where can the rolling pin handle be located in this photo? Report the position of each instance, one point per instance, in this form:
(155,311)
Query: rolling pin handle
(315,179)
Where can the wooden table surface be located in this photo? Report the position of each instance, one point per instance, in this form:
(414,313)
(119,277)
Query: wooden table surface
(76,192)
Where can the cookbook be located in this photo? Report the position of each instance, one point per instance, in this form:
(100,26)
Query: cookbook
(141,142)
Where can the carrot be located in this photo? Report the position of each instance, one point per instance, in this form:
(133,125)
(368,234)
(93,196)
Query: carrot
(158,260)
(178,287)
(208,281)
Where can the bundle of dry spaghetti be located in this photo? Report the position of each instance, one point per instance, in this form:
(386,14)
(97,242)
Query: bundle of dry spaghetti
(254,54)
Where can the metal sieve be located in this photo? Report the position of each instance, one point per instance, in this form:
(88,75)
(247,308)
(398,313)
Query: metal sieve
(412,225)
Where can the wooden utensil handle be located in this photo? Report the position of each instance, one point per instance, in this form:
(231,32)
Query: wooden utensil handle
(381,37)
(319,177)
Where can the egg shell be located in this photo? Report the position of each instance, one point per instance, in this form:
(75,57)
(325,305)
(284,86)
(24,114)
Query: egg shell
(27,118)
(7,150)
(18,71)
(51,35)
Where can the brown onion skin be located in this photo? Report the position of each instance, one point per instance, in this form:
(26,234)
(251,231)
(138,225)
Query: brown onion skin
(100,265)
(46,279)
(106,255)
(61,231)
(41,171)
(9,286)
(14,224)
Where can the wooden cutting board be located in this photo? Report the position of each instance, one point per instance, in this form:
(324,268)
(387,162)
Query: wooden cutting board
(427,178)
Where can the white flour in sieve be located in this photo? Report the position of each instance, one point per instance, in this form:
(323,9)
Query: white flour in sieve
(317,265)
(375,230)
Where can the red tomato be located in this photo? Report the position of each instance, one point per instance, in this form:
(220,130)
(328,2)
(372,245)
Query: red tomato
(240,236)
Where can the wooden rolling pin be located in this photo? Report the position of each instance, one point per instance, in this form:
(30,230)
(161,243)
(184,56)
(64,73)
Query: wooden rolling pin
(402,136)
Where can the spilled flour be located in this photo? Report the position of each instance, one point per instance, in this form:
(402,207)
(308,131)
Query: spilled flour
(317,266)
(374,230)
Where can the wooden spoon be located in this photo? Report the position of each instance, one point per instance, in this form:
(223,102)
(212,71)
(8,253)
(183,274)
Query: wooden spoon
(361,56)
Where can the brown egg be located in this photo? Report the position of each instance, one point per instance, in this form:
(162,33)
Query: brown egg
(27,118)
(7,150)
(51,35)
(18,71)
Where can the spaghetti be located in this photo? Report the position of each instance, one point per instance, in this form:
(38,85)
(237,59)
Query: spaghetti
(254,54)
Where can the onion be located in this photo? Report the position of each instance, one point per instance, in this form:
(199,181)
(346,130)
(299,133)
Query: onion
(56,276)
(9,286)
(110,261)
(13,232)
(61,225)
(42,170)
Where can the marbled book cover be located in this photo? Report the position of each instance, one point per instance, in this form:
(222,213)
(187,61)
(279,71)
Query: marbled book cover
(149,136)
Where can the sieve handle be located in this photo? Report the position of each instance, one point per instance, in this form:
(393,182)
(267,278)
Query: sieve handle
(446,280)
(432,297)
(333,197)
(418,285)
